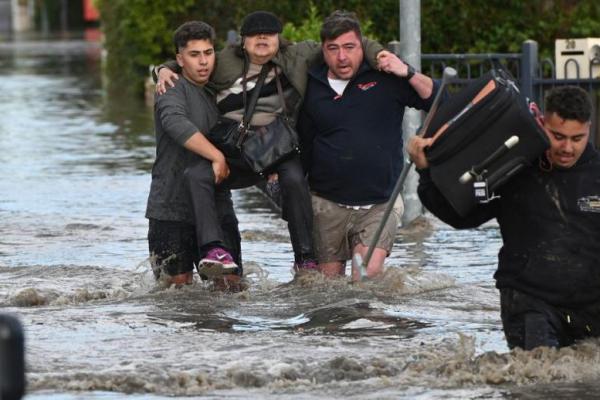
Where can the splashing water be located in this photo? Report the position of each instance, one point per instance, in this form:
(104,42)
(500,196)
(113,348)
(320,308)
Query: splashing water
(74,268)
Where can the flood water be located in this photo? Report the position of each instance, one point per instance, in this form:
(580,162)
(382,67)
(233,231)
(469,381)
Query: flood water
(74,178)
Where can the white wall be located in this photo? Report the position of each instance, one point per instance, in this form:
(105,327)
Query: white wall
(22,15)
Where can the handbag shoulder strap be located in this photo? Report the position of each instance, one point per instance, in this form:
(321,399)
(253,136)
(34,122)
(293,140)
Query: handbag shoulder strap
(280,92)
(251,105)
(246,78)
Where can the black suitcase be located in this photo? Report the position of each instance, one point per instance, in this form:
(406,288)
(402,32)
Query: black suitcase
(483,135)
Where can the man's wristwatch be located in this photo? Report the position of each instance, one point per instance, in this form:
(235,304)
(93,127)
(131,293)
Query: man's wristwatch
(410,72)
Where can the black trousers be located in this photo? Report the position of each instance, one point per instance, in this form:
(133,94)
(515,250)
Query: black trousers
(174,246)
(530,322)
(295,199)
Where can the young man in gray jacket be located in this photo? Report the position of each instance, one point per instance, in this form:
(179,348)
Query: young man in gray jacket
(173,230)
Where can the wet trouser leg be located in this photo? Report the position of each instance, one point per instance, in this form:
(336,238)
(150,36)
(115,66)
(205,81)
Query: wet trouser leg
(297,208)
(540,331)
(172,246)
(214,216)
(529,322)
(229,224)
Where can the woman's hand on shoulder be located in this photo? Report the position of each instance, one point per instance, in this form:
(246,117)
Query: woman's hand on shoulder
(166,79)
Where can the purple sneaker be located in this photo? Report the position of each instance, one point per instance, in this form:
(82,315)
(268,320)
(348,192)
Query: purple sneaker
(216,263)
(305,266)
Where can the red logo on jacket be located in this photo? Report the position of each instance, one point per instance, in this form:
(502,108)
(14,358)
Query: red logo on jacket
(366,86)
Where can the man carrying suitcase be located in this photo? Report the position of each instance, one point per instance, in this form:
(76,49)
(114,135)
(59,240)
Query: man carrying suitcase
(549,216)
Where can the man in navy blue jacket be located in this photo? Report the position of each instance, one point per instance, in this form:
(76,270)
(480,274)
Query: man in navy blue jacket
(351,133)
(549,216)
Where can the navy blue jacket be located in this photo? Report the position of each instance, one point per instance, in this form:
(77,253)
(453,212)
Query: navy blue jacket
(352,144)
(550,225)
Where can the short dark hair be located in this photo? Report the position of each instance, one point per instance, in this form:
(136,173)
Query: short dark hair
(193,30)
(338,23)
(569,102)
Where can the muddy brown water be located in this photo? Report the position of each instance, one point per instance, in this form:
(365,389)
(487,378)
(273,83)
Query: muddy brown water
(74,176)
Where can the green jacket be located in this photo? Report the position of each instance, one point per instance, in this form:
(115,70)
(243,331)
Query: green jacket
(294,60)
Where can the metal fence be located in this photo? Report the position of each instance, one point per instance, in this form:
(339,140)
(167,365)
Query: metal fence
(535,76)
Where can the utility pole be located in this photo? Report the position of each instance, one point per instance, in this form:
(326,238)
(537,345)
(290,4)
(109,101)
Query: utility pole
(45,21)
(64,16)
(410,51)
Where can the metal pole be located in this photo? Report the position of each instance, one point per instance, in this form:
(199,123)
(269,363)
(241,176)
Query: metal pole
(45,22)
(410,51)
(529,67)
(64,16)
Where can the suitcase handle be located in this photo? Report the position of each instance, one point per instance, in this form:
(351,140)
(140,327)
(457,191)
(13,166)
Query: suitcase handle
(477,170)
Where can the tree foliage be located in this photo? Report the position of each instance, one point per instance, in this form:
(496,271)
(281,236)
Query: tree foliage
(482,26)
(310,27)
(138,32)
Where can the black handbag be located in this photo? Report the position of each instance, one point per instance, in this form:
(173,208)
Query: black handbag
(261,147)
(226,133)
(264,147)
(267,146)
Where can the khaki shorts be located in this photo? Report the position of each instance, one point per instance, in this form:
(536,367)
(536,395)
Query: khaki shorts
(337,229)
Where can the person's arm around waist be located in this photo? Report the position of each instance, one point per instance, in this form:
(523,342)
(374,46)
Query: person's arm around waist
(199,144)
(173,115)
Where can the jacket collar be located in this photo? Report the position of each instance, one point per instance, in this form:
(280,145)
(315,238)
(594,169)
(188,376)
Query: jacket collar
(588,154)
(320,71)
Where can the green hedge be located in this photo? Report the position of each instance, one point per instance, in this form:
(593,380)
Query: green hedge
(138,32)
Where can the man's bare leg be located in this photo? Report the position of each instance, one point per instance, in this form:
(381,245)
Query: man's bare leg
(333,269)
(186,278)
(375,267)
